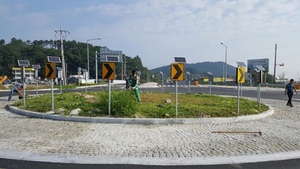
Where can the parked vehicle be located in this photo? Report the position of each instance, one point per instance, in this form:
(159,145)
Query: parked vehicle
(3,79)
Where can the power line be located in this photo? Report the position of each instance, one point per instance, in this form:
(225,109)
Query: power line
(75,37)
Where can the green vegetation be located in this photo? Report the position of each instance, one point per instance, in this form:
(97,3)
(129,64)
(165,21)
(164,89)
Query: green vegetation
(75,55)
(2,87)
(33,87)
(153,105)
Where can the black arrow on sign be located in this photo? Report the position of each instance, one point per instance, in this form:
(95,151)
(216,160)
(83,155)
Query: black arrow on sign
(179,72)
(242,75)
(50,70)
(110,71)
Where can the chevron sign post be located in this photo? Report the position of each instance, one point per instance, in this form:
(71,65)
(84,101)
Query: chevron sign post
(177,73)
(50,73)
(240,79)
(108,72)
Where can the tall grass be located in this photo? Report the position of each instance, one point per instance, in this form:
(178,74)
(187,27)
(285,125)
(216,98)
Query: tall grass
(153,105)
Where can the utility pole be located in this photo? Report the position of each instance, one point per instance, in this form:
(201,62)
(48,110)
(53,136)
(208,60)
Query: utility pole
(275,63)
(225,67)
(63,34)
(125,69)
(88,55)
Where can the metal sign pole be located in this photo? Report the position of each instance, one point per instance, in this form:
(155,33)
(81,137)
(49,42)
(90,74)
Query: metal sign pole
(52,95)
(36,77)
(85,83)
(96,78)
(241,90)
(210,80)
(209,87)
(23,64)
(109,96)
(60,82)
(24,94)
(238,99)
(189,83)
(176,98)
(51,73)
(37,87)
(162,83)
(259,96)
(79,75)
(59,75)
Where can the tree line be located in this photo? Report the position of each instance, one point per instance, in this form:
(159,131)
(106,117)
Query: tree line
(75,54)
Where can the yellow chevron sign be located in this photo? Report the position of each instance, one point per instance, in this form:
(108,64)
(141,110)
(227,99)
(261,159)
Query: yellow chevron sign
(50,70)
(177,70)
(240,75)
(108,70)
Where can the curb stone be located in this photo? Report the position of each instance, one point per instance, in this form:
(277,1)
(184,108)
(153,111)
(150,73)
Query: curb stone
(139,120)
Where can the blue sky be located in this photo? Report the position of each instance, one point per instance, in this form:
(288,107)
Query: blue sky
(159,30)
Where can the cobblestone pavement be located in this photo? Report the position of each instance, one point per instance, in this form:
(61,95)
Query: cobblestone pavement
(280,133)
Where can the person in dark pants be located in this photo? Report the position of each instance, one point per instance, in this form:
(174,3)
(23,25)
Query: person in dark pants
(16,89)
(134,83)
(289,90)
(127,82)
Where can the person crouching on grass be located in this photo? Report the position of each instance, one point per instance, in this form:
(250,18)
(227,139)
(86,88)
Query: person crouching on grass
(16,89)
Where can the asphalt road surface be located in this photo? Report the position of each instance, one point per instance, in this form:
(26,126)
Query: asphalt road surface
(276,94)
(16,164)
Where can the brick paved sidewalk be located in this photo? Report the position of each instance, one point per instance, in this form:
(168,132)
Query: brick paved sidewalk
(173,144)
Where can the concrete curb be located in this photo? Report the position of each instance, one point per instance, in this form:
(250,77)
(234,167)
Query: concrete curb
(149,160)
(139,120)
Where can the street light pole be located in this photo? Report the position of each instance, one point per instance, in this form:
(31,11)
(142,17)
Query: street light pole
(275,63)
(189,78)
(88,55)
(225,67)
(162,81)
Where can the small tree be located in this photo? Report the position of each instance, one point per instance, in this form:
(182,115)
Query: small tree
(281,77)
(270,78)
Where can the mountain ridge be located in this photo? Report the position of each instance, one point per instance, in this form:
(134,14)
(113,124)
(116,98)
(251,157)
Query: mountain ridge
(201,69)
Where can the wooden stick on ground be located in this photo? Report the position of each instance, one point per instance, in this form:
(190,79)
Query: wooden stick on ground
(238,132)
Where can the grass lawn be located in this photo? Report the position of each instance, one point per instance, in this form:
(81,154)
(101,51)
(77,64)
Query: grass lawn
(153,105)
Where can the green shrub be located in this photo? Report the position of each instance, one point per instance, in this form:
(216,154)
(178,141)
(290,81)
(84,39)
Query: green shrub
(123,103)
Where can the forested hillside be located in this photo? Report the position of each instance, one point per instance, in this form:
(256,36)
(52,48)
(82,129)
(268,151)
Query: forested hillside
(75,56)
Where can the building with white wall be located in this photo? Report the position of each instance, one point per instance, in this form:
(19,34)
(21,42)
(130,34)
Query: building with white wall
(29,73)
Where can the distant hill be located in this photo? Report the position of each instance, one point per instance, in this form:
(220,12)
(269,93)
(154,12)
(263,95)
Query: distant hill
(201,69)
